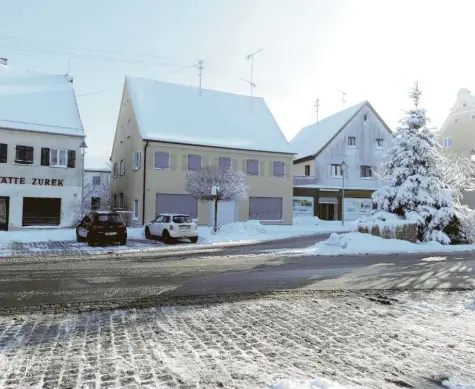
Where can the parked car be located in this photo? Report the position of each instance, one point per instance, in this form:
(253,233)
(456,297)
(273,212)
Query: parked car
(172,226)
(102,227)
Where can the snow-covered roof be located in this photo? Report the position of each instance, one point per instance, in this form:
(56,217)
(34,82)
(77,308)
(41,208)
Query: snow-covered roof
(35,101)
(311,139)
(177,113)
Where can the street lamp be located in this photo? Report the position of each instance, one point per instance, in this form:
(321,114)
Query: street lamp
(343,168)
(82,147)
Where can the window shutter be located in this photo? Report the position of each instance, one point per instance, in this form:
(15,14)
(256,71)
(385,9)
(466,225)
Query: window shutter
(3,153)
(139,160)
(45,156)
(72,158)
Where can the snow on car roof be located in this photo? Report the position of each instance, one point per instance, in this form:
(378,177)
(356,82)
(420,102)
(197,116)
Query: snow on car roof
(178,113)
(40,102)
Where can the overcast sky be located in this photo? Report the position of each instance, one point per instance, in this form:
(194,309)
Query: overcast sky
(372,50)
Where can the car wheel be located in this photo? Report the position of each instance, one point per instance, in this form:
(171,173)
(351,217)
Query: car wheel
(167,238)
(194,239)
(79,238)
(148,235)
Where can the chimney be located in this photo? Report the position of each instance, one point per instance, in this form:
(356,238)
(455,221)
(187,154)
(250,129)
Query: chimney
(3,61)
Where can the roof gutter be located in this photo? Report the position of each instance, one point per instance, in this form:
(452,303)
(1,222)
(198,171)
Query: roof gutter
(144,180)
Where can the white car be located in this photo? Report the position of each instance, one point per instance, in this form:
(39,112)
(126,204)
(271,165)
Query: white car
(172,226)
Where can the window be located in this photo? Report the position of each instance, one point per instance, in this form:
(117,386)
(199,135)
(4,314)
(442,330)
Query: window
(279,169)
(121,200)
(456,120)
(351,141)
(224,162)
(366,172)
(447,143)
(252,167)
(122,167)
(464,105)
(24,155)
(307,170)
(365,117)
(379,143)
(162,160)
(336,171)
(116,172)
(96,180)
(110,218)
(3,153)
(159,219)
(473,117)
(182,219)
(194,162)
(136,209)
(122,132)
(137,160)
(129,128)
(114,200)
(265,208)
(58,158)
(95,202)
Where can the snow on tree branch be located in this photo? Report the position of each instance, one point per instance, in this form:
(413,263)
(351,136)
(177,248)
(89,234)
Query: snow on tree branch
(232,185)
(458,172)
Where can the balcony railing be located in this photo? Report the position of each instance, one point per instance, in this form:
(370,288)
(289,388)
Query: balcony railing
(305,180)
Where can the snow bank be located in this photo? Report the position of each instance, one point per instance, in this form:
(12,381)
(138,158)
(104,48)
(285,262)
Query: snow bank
(355,243)
(470,303)
(306,221)
(453,385)
(317,383)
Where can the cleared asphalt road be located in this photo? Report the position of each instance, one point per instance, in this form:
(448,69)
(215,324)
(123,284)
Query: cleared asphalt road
(182,271)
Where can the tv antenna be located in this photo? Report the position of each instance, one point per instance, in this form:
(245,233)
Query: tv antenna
(250,57)
(343,96)
(200,68)
(317,106)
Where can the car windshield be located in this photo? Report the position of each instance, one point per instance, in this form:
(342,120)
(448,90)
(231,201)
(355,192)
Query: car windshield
(109,218)
(182,219)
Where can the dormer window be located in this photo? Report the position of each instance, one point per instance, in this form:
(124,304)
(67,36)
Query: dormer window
(447,143)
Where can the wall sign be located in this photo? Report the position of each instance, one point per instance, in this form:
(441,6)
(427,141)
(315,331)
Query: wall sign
(33,181)
(303,206)
(355,208)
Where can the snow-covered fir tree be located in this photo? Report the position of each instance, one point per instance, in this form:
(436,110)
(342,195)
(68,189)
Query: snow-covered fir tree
(412,174)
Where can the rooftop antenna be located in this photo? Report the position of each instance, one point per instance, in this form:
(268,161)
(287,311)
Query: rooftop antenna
(316,106)
(343,96)
(200,67)
(251,58)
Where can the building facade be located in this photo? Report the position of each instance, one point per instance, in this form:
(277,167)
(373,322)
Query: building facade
(41,163)
(97,189)
(165,130)
(457,133)
(342,151)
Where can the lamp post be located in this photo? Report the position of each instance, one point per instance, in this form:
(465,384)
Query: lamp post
(343,168)
(83,147)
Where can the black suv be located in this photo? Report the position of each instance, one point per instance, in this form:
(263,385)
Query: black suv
(102,226)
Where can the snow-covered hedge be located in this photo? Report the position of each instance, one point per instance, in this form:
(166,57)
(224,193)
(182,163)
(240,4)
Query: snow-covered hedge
(388,226)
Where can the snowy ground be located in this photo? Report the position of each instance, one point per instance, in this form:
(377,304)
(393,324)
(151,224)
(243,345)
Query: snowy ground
(47,241)
(288,341)
(355,243)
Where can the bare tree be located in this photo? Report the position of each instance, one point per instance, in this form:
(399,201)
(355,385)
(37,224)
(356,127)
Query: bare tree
(230,185)
(458,173)
(101,190)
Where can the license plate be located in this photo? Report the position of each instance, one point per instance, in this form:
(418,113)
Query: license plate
(111,233)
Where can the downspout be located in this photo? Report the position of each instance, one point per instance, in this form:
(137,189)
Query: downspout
(144,180)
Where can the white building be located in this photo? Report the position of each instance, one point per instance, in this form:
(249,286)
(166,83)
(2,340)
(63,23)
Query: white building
(41,164)
(97,189)
(356,136)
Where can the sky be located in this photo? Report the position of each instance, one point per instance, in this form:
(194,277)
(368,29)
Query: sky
(371,49)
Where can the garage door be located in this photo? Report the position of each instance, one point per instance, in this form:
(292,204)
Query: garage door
(176,203)
(265,208)
(41,211)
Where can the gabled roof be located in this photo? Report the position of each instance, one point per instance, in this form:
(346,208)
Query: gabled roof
(40,102)
(177,113)
(312,139)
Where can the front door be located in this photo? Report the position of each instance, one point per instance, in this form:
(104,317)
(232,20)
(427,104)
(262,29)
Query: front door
(4,213)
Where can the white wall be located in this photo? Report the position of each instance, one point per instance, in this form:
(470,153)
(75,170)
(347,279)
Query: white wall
(70,192)
(365,152)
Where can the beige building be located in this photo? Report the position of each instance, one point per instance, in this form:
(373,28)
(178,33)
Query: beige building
(457,134)
(41,166)
(165,130)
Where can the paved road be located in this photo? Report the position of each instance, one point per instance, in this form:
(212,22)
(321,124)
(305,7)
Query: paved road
(216,270)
